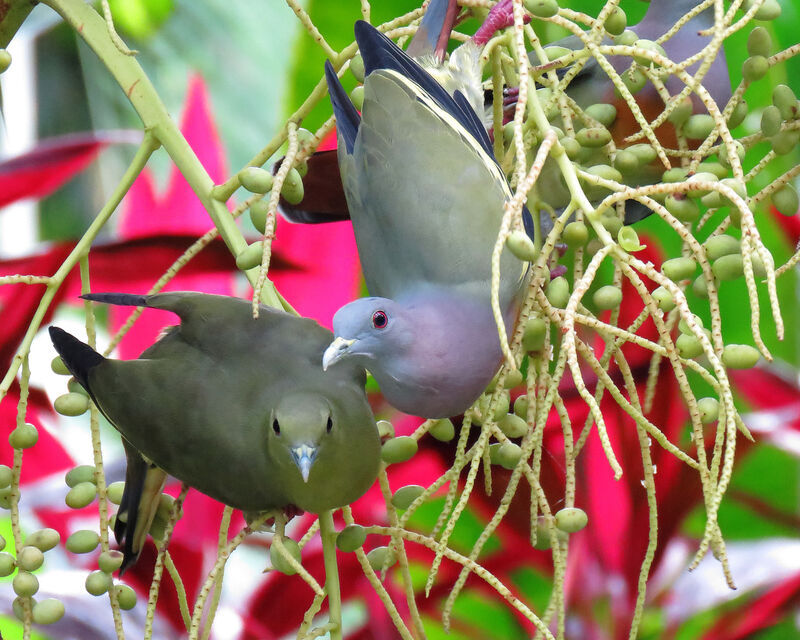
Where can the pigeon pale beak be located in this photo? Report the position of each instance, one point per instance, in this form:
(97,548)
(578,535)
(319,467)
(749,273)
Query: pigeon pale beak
(304,457)
(337,349)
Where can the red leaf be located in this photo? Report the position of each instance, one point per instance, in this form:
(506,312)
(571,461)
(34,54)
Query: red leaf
(45,168)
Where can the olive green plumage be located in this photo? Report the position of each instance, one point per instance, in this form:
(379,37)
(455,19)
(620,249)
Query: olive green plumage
(238,408)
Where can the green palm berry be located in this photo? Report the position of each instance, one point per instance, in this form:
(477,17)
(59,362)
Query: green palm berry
(721,245)
(724,157)
(663,299)
(521,407)
(357,67)
(30,558)
(700,287)
(625,161)
(25,584)
(6,476)
(250,257)
(644,153)
(58,366)
(558,292)
(381,557)
(554,52)
(7,564)
(612,224)
(759,271)
(385,429)
(258,214)
(738,115)
(158,528)
(783,97)
(626,38)
(616,22)
(575,234)
(651,47)
(5,60)
(43,539)
(593,137)
(678,269)
(81,495)
(18,607)
(126,597)
(571,519)
(110,561)
(689,346)
(5,498)
(443,430)
(75,387)
(785,200)
(351,538)
(683,326)
(571,147)
(509,455)
(513,379)
(755,68)
(292,190)
(682,111)
(699,126)
(770,10)
(98,582)
(728,267)
(404,496)
(255,179)
(541,8)
(357,97)
(605,114)
(709,409)
(698,178)
(634,79)
(683,208)
(521,246)
(279,562)
(607,297)
(676,174)
(512,425)
(784,142)
(114,492)
(25,436)
(82,473)
(83,541)
(71,404)
(501,406)
(714,168)
(771,121)
(48,611)
(534,333)
(740,356)
(398,449)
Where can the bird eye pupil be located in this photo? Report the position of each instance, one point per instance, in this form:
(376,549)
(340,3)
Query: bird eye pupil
(329,426)
(379,320)
(276,427)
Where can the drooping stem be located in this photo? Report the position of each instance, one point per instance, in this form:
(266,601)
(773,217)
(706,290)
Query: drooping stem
(328,534)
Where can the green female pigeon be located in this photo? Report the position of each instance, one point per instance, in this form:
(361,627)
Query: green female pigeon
(236,407)
(426,199)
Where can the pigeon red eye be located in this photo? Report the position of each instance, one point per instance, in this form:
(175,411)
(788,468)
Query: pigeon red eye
(379,320)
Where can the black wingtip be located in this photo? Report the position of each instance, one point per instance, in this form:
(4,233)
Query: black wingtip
(79,358)
(347,118)
(120,299)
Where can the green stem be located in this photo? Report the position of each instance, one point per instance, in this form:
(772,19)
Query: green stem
(328,533)
(12,15)
(149,144)
(142,95)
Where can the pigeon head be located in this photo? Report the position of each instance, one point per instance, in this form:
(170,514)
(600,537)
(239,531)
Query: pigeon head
(301,429)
